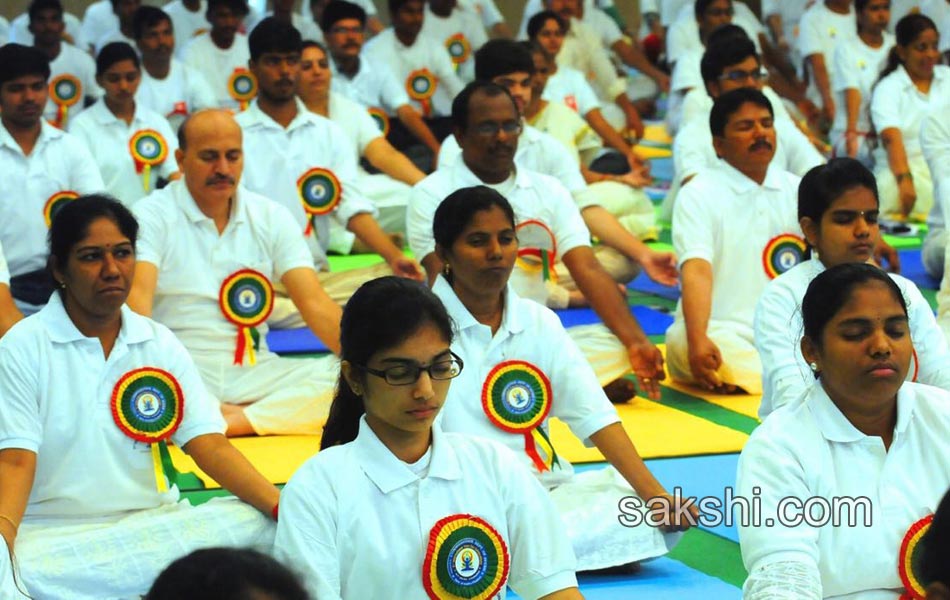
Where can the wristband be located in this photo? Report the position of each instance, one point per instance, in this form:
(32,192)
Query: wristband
(273,511)
(902,176)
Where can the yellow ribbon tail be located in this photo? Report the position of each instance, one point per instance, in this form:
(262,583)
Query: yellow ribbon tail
(544,444)
(146,177)
(251,358)
(160,482)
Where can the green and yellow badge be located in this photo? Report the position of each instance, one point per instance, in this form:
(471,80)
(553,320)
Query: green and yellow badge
(56,202)
(908,560)
(64,90)
(148,405)
(381,118)
(421,85)
(246,299)
(516,398)
(459,48)
(320,193)
(537,248)
(782,253)
(466,558)
(242,87)
(148,149)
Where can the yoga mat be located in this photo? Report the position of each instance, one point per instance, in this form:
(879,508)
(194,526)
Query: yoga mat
(353,261)
(656,132)
(277,457)
(912,268)
(903,243)
(294,341)
(658,431)
(652,321)
(643,283)
(656,194)
(651,152)
(662,168)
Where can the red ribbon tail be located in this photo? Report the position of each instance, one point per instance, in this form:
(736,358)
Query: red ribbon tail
(309,229)
(61,112)
(531,450)
(426,108)
(240,348)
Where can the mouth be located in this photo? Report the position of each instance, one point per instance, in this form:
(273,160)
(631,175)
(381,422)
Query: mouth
(112,291)
(883,370)
(425,412)
(862,248)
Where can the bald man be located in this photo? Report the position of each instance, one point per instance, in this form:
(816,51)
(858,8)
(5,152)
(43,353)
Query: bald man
(208,252)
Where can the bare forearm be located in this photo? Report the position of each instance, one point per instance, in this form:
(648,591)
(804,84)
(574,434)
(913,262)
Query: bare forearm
(605,227)
(215,455)
(697,297)
(633,57)
(17,470)
(896,153)
(611,136)
(617,447)
(822,81)
(319,311)
(852,103)
(368,230)
(392,162)
(9,313)
(601,291)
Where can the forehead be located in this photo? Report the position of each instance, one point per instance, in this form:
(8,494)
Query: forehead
(855,198)
(718,4)
(345,24)
(214,134)
(870,299)
(312,53)
(48,14)
(747,111)
(748,62)
(25,80)
(122,66)
(101,230)
(483,107)
(515,76)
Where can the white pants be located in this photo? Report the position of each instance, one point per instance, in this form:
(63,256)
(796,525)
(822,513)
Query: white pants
(632,207)
(741,365)
(603,351)
(390,197)
(554,293)
(887,187)
(933,252)
(121,559)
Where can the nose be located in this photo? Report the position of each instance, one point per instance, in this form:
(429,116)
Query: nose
(861,226)
(423,387)
(880,343)
(110,267)
(494,248)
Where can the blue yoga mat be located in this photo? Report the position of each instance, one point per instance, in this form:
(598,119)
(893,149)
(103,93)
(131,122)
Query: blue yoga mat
(642,283)
(294,341)
(662,168)
(912,267)
(652,321)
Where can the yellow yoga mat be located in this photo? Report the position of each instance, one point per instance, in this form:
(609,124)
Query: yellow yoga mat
(745,404)
(277,457)
(656,132)
(651,152)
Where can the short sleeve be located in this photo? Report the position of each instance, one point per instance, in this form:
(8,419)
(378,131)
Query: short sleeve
(393,94)
(777,329)
(801,155)
(570,231)
(169,166)
(20,424)
(809,36)
(354,201)
(693,224)
(562,165)
(843,74)
(366,130)
(885,110)
(930,346)
(419,214)
(935,143)
(442,66)
(287,247)
(692,149)
(153,230)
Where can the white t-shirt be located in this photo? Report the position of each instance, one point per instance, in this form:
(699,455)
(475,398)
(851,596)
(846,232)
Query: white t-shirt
(820,31)
(372,86)
(185,23)
(4,271)
(98,20)
(487,11)
(901,8)
(385,51)
(303,23)
(779,329)
(355,121)
(569,86)
(791,13)
(21,34)
(217,65)
(181,93)
(193,259)
(114,35)
(283,156)
(733,223)
(810,450)
(112,138)
(56,390)
(59,162)
(461,33)
(856,66)
(535,196)
(682,37)
(897,102)
(529,332)
(356,521)
(582,51)
(671,9)
(79,68)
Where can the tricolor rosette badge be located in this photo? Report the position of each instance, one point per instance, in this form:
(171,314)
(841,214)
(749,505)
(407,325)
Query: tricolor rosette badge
(516,398)
(64,90)
(246,299)
(537,248)
(459,48)
(420,86)
(149,149)
(56,202)
(466,558)
(242,87)
(381,119)
(782,253)
(148,406)
(909,560)
(320,193)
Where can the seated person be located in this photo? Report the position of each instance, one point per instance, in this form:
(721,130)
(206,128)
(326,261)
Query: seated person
(92,392)
(911,85)
(122,31)
(935,143)
(825,25)
(208,253)
(506,340)
(838,212)
(734,229)
(345,514)
(9,313)
(459,28)
(936,553)
(863,433)
(133,144)
(221,53)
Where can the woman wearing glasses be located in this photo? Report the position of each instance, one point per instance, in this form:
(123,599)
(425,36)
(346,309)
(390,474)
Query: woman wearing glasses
(521,368)
(394,507)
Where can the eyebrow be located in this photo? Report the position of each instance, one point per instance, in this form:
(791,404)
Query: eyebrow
(400,359)
(119,245)
(866,321)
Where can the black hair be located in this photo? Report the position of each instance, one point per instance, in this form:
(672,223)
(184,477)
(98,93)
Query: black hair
(536,22)
(115,52)
(824,184)
(38,6)
(906,31)
(381,314)
(935,561)
(461,102)
(17,60)
(314,44)
(730,102)
(147,17)
(337,10)
(727,45)
(831,290)
(271,35)
(699,9)
(238,7)
(70,224)
(226,574)
(501,57)
(456,212)
(396,5)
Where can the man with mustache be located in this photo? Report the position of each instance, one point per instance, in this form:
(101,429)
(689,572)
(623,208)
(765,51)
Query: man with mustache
(41,166)
(734,228)
(169,87)
(205,230)
(222,52)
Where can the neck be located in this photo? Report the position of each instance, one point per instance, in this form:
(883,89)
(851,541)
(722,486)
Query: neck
(489,177)
(124,111)
(50,50)
(157,68)
(407,446)
(407,39)
(105,328)
(24,135)
(838,6)
(487,306)
(282,111)
(192,5)
(220,40)
(347,65)
(218,211)
(318,102)
(534,107)
(878,420)
(126,29)
(756,174)
(872,38)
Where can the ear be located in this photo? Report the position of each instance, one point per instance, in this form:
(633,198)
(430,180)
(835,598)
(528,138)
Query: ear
(811,231)
(57,272)
(810,351)
(180,158)
(712,88)
(717,145)
(349,375)
(441,253)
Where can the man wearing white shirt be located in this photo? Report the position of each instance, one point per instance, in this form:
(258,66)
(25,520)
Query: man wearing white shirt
(42,167)
(9,313)
(823,26)
(72,71)
(198,234)
(458,28)
(98,20)
(487,126)
(72,32)
(124,12)
(221,54)
(935,143)
(315,9)
(283,11)
(169,87)
(188,20)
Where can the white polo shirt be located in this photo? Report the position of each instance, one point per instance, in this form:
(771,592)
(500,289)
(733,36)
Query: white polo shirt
(59,162)
(75,62)
(56,389)
(185,23)
(568,86)
(372,86)
(98,20)
(111,137)
(278,157)
(532,333)
(365,534)
(464,23)
(183,91)
(583,51)
(728,220)
(779,329)
(898,103)
(217,65)
(354,120)
(697,103)
(935,144)
(791,13)
(385,51)
(856,66)
(4,271)
(811,450)
(487,11)
(820,31)
(193,260)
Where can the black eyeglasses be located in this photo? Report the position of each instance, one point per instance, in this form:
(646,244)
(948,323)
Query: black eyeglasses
(491,129)
(740,75)
(407,374)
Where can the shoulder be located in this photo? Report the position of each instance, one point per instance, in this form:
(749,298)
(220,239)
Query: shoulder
(789,431)
(24,337)
(158,207)
(438,184)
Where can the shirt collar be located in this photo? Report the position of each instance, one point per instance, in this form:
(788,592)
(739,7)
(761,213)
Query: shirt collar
(103,116)
(389,473)
(835,427)
(463,318)
(739,182)
(62,330)
(258,117)
(47,133)
(187,203)
(467,178)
